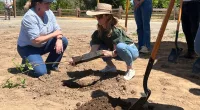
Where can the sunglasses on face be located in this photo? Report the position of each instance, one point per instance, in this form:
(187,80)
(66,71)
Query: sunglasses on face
(99,16)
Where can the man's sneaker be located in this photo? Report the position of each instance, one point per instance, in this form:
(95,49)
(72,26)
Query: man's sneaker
(109,69)
(144,49)
(129,75)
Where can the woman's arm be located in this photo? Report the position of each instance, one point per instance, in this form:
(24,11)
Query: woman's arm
(94,48)
(45,38)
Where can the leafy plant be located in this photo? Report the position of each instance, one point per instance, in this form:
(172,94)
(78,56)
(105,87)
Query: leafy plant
(10,84)
(22,67)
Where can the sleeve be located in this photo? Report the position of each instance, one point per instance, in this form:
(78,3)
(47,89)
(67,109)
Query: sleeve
(30,24)
(95,38)
(55,24)
(117,36)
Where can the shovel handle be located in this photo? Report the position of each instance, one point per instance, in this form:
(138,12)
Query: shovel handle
(178,23)
(156,47)
(162,29)
(179,15)
(127,7)
(142,100)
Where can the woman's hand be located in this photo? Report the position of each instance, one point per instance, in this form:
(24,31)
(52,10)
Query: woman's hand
(59,46)
(107,53)
(71,62)
(137,3)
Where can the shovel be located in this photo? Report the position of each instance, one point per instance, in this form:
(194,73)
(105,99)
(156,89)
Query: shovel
(147,92)
(175,52)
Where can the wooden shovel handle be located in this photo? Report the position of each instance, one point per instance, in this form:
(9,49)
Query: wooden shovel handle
(127,7)
(179,15)
(162,30)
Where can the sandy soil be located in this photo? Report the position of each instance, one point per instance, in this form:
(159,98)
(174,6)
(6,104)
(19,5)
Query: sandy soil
(83,87)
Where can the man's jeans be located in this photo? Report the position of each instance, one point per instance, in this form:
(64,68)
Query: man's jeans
(142,17)
(127,53)
(197,42)
(33,55)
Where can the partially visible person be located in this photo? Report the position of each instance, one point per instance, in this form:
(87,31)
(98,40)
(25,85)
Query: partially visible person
(40,34)
(26,6)
(190,24)
(142,13)
(196,65)
(112,40)
(197,43)
(8,7)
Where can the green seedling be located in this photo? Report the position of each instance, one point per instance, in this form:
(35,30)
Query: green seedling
(10,84)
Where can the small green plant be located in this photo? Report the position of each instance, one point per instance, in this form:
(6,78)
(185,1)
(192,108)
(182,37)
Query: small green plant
(10,84)
(21,67)
(20,82)
(180,35)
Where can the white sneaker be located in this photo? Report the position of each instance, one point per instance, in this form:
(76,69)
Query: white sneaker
(144,49)
(129,75)
(109,69)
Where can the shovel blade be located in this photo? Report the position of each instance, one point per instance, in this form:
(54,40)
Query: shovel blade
(175,53)
(196,66)
(139,104)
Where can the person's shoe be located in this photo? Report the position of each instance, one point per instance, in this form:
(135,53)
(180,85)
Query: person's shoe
(190,55)
(130,74)
(144,50)
(109,69)
(53,69)
(196,66)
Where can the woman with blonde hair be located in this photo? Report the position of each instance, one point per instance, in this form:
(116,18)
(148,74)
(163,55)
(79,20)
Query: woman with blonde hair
(113,41)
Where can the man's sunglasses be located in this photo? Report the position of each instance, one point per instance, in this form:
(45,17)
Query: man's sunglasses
(99,16)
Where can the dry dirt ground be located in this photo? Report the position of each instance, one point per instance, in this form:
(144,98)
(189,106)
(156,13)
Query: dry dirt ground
(83,87)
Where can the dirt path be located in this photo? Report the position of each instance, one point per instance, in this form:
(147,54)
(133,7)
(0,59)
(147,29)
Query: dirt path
(173,86)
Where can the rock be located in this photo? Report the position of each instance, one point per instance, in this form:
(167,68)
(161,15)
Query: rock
(78,104)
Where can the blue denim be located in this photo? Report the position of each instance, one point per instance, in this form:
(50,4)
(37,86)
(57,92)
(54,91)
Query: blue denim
(197,42)
(142,17)
(33,55)
(126,53)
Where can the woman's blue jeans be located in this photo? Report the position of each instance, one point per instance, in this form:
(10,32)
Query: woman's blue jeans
(142,17)
(126,53)
(33,55)
(197,42)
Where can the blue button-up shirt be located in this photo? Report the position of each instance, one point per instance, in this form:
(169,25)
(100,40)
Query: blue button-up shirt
(32,26)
